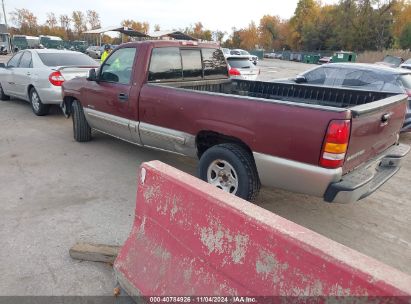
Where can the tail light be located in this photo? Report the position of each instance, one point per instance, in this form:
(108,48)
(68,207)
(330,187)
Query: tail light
(408,92)
(335,144)
(234,72)
(56,79)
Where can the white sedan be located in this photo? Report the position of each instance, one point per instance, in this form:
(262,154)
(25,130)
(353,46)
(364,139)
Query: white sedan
(36,75)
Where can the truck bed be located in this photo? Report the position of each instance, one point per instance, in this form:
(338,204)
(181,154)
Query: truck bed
(298,93)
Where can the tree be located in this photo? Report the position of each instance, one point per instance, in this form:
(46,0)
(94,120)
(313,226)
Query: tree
(302,21)
(156,27)
(405,37)
(51,20)
(268,31)
(249,37)
(25,21)
(79,22)
(93,19)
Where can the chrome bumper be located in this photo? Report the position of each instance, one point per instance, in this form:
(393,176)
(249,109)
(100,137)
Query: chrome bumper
(363,181)
(294,176)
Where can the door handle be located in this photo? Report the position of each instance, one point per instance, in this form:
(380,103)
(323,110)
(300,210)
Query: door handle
(122,97)
(28,74)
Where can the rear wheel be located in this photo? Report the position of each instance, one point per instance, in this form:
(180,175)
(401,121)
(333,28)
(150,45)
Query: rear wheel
(230,168)
(38,107)
(2,95)
(81,128)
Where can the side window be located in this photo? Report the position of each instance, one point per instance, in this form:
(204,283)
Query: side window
(316,76)
(14,61)
(192,64)
(119,66)
(214,64)
(165,64)
(371,81)
(353,79)
(26,61)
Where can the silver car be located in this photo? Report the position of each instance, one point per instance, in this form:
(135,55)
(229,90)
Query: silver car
(240,67)
(37,75)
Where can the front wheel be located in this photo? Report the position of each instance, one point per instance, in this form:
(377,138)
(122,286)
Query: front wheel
(230,168)
(81,128)
(39,108)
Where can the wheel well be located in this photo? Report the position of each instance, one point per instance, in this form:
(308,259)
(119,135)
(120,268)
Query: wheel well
(68,100)
(207,139)
(29,89)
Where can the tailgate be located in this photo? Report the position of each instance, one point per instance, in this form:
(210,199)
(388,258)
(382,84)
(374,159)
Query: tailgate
(375,127)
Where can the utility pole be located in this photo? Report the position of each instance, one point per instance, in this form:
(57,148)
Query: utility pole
(4,13)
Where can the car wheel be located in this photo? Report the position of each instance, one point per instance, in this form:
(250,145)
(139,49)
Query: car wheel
(232,169)
(2,95)
(38,107)
(81,128)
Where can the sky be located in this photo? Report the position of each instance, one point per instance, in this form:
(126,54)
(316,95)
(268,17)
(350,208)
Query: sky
(169,14)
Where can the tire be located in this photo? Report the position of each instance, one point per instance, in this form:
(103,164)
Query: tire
(238,173)
(81,128)
(2,95)
(39,108)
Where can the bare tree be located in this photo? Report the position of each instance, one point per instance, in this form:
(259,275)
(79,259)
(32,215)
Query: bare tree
(93,19)
(51,20)
(79,22)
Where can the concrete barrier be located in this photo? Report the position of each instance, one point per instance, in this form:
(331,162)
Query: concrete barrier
(190,238)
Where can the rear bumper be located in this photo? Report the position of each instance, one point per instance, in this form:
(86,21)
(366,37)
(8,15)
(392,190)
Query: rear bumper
(50,95)
(363,181)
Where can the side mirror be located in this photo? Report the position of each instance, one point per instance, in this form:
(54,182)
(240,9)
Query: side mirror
(3,65)
(300,79)
(92,75)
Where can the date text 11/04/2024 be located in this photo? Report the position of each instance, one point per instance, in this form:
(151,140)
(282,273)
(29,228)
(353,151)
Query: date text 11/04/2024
(202,299)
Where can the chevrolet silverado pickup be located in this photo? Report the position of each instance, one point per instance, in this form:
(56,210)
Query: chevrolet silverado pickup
(338,144)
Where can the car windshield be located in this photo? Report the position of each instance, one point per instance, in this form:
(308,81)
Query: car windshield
(406,81)
(240,63)
(66,59)
(392,60)
(408,61)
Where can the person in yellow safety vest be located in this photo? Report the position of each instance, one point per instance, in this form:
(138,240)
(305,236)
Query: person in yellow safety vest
(107,51)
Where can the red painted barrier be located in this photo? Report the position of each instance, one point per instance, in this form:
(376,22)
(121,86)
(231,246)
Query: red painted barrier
(190,238)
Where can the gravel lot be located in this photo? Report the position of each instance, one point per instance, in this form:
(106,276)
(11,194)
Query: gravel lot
(55,192)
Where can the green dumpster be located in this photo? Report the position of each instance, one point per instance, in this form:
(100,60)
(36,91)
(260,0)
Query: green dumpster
(312,59)
(344,57)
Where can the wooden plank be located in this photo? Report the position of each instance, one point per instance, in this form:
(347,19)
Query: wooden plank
(94,252)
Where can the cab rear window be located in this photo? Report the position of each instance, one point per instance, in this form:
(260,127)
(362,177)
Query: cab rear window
(175,64)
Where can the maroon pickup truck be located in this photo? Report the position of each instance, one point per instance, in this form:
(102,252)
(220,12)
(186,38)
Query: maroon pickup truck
(334,143)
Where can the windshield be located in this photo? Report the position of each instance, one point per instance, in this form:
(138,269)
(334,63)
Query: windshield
(66,59)
(408,61)
(392,60)
(240,63)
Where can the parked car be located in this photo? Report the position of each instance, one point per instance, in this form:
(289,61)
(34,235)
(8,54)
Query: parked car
(325,59)
(362,76)
(240,52)
(36,76)
(406,64)
(178,97)
(270,55)
(391,61)
(240,67)
(226,51)
(94,51)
